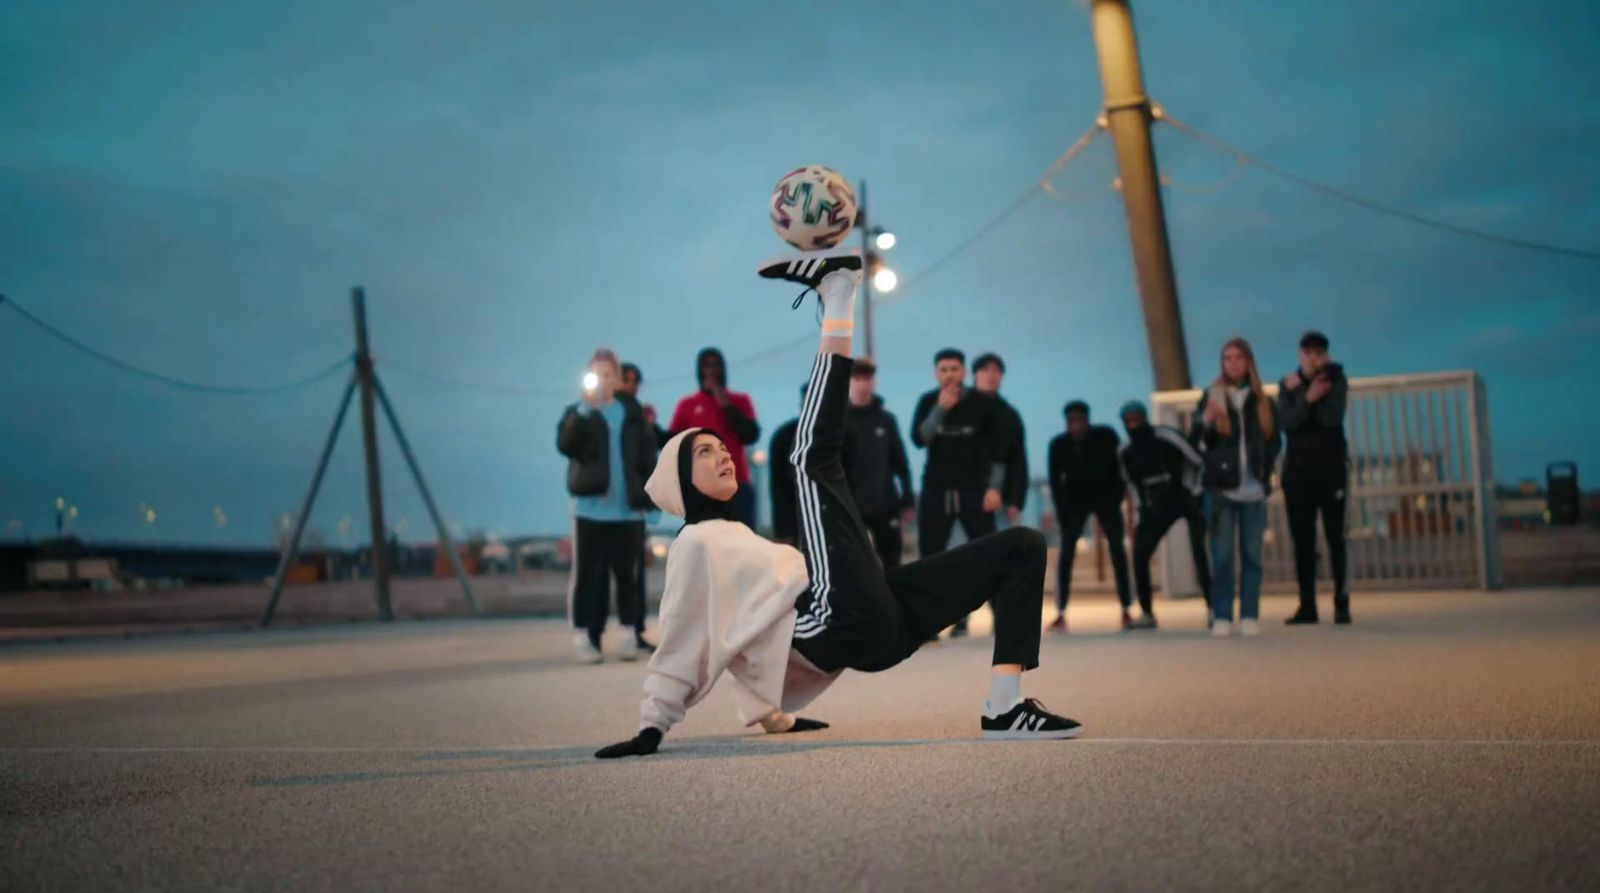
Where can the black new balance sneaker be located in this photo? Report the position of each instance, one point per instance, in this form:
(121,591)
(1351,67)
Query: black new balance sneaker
(808,267)
(1029,721)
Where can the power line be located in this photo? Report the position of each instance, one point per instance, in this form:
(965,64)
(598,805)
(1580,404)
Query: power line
(1043,186)
(202,387)
(452,381)
(1334,192)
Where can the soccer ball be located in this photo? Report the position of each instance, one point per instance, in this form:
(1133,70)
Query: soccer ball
(813,207)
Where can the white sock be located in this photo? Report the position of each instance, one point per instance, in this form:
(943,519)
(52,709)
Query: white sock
(1005,692)
(838,290)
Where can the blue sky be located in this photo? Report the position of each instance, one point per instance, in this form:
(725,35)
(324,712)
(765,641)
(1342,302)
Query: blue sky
(195,188)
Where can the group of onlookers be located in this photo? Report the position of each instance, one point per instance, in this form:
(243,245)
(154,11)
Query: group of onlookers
(1215,476)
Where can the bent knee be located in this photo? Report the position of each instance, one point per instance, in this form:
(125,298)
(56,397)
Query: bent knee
(1025,542)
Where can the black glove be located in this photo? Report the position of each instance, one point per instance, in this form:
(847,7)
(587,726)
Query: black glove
(801,724)
(642,744)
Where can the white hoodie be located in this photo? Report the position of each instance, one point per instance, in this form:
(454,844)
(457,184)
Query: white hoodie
(728,605)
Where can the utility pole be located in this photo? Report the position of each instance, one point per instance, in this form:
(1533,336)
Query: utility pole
(369,440)
(866,264)
(372,398)
(1128,116)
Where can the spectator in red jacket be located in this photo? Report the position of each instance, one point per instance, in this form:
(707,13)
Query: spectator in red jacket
(730,414)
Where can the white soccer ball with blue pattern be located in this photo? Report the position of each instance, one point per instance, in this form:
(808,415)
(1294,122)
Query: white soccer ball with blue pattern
(813,207)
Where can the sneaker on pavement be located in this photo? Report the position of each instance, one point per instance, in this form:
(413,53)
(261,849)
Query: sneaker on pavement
(1127,621)
(645,645)
(630,647)
(1058,625)
(808,267)
(1029,721)
(1144,621)
(1341,612)
(1301,617)
(587,652)
(1221,629)
(1249,626)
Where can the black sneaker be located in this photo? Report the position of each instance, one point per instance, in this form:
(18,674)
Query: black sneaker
(1302,616)
(808,267)
(1341,613)
(1029,721)
(645,645)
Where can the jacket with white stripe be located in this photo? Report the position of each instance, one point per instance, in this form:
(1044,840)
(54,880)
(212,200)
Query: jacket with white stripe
(1161,466)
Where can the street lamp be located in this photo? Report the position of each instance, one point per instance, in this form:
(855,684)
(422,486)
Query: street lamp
(885,280)
(873,240)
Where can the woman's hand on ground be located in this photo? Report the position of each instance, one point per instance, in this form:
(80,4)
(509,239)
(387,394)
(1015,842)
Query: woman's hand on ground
(642,744)
(801,724)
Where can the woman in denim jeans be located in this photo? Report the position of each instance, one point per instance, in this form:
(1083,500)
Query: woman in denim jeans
(1238,431)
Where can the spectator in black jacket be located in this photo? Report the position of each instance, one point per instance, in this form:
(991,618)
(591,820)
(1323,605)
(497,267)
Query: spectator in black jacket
(879,463)
(781,484)
(1085,480)
(632,381)
(959,429)
(611,452)
(1011,449)
(1163,470)
(1316,478)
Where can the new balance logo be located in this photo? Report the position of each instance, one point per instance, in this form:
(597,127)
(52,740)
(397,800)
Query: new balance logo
(1026,723)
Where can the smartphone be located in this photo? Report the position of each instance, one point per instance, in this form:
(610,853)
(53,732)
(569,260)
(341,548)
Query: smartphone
(590,381)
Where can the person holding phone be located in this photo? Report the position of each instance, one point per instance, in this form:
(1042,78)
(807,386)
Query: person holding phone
(1237,428)
(610,450)
(1316,476)
(730,414)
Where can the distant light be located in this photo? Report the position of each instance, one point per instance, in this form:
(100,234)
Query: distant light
(885,280)
(885,240)
(659,550)
(759,457)
(61,503)
(149,516)
(72,511)
(590,381)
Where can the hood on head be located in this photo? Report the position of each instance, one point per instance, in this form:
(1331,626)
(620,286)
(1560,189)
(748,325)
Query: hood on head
(671,490)
(663,487)
(700,358)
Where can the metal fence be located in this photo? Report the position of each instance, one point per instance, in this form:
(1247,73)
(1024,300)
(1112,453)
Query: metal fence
(1420,510)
